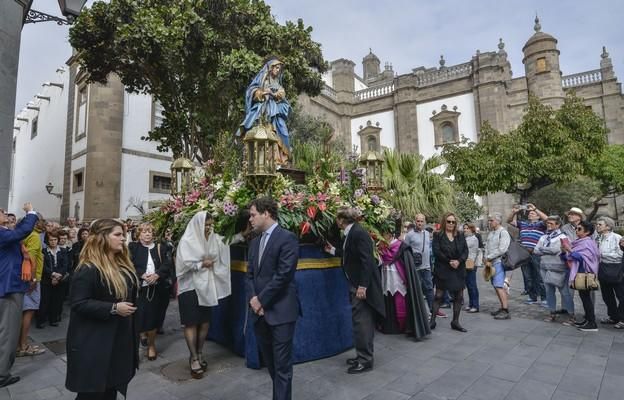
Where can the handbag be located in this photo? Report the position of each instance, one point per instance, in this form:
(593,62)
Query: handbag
(515,256)
(470,264)
(418,257)
(610,272)
(555,278)
(585,280)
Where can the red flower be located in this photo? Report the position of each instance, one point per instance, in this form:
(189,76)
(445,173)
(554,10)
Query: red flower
(322,206)
(312,210)
(305,228)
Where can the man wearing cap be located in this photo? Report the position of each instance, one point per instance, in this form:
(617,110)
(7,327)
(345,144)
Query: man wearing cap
(575,215)
(530,233)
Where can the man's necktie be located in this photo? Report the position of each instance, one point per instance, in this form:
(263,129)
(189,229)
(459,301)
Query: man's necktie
(263,241)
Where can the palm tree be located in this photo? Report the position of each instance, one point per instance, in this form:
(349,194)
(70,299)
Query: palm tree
(413,185)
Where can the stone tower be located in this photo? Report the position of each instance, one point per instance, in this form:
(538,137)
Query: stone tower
(371,66)
(541,65)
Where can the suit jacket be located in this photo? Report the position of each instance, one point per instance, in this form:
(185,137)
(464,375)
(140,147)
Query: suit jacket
(11,256)
(273,280)
(162,264)
(360,267)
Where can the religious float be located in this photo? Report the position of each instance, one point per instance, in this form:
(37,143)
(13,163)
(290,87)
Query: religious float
(307,207)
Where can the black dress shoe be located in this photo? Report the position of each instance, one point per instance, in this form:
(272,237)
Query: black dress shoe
(53,323)
(352,361)
(432,325)
(39,326)
(458,327)
(9,381)
(360,367)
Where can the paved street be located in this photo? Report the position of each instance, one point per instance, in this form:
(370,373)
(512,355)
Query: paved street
(523,358)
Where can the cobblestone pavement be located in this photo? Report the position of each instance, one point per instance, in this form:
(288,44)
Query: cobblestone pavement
(522,358)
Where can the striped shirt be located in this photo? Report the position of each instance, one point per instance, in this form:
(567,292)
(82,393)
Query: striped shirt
(530,233)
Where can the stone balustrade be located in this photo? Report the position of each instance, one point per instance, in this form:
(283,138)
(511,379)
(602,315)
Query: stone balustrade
(328,91)
(375,91)
(581,79)
(444,74)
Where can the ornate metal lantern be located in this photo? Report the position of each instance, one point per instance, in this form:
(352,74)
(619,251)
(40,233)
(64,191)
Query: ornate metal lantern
(259,156)
(181,176)
(373,162)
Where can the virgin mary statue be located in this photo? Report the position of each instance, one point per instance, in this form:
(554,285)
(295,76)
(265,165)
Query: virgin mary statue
(265,99)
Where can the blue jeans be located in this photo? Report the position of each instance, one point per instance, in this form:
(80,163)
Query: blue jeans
(426,284)
(533,277)
(567,301)
(473,291)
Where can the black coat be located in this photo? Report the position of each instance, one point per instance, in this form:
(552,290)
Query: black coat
(102,349)
(360,267)
(162,262)
(61,265)
(273,281)
(444,250)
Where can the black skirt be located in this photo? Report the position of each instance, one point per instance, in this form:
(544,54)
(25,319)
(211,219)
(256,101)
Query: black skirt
(152,304)
(191,313)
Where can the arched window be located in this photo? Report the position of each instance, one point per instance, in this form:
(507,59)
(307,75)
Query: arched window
(448,133)
(371,143)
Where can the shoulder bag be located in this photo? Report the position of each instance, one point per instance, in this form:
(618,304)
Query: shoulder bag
(418,257)
(515,256)
(584,280)
(610,273)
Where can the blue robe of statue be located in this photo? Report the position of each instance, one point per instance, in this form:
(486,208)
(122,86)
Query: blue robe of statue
(275,109)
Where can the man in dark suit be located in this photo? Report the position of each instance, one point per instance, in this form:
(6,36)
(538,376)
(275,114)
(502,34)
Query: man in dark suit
(272,292)
(360,268)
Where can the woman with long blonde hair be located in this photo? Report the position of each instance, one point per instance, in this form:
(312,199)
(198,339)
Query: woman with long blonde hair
(102,342)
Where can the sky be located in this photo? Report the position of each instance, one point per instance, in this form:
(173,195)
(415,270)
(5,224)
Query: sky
(405,33)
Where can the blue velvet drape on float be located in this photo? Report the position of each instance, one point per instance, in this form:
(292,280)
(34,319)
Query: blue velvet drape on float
(323,330)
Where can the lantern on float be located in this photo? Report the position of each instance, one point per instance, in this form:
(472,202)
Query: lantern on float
(181,176)
(259,156)
(373,162)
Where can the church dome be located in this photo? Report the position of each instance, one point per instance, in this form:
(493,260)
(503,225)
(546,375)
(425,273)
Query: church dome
(540,36)
(371,56)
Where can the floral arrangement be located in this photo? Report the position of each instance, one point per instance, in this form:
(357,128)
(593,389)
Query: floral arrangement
(307,210)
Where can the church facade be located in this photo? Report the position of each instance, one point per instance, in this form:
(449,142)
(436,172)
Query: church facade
(424,109)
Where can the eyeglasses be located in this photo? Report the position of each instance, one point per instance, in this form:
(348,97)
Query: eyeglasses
(448,221)
(580,228)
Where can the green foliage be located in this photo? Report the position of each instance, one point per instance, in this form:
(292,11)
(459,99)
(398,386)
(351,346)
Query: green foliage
(196,58)
(466,207)
(314,149)
(305,128)
(412,185)
(547,147)
(558,198)
(607,168)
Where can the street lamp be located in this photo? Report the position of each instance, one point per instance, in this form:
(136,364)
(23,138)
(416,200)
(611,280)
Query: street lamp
(69,8)
(49,188)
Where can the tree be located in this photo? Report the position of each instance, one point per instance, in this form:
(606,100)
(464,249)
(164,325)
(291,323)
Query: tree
(194,57)
(558,198)
(607,170)
(412,185)
(547,147)
(466,207)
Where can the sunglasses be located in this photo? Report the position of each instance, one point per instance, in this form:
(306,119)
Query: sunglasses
(579,229)
(450,222)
